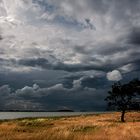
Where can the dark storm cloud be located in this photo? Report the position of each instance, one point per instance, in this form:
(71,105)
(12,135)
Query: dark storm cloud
(89,79)
(134,37)
(1,37)
(5,92)
(18,80)
(95,82)
(45,64)
(89,24)
(36,62)
(55,97)
(3,60)
(103,49)
(43,38)
(108,65)
(89,63)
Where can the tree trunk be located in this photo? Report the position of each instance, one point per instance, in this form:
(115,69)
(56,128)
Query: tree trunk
(122,116)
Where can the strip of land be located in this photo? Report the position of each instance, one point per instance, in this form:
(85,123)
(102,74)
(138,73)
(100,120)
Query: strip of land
(85,127)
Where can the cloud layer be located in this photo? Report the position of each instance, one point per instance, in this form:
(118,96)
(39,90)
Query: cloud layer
(57,42)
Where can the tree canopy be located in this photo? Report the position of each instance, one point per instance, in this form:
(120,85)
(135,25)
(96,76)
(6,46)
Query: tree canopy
(124,97)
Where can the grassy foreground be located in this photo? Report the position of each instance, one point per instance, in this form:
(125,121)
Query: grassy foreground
(85,127)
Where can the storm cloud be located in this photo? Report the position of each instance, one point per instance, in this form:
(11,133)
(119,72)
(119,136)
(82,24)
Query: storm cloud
(66,53)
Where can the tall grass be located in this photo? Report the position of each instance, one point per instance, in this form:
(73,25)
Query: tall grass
(90,127)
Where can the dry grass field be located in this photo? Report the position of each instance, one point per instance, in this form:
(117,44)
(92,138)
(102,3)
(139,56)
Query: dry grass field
(85,127)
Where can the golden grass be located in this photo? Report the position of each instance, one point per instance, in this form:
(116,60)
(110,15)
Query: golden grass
(85,127)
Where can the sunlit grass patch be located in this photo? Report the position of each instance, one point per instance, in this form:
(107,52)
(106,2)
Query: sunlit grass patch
(39,122)
(85,128)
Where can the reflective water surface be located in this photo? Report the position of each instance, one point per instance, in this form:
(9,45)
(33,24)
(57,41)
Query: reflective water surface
(14,115)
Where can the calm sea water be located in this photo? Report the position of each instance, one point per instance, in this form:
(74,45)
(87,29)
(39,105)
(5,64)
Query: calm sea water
(15,115)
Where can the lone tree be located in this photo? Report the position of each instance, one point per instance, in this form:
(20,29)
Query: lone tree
(124,97)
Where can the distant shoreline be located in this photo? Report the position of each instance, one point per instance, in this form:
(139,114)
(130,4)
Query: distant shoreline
(16,115)
(61,110)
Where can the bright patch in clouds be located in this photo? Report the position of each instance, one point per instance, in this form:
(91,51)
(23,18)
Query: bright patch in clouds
(115,75)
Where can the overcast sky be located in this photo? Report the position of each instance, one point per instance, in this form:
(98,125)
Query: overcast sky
(65,54)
